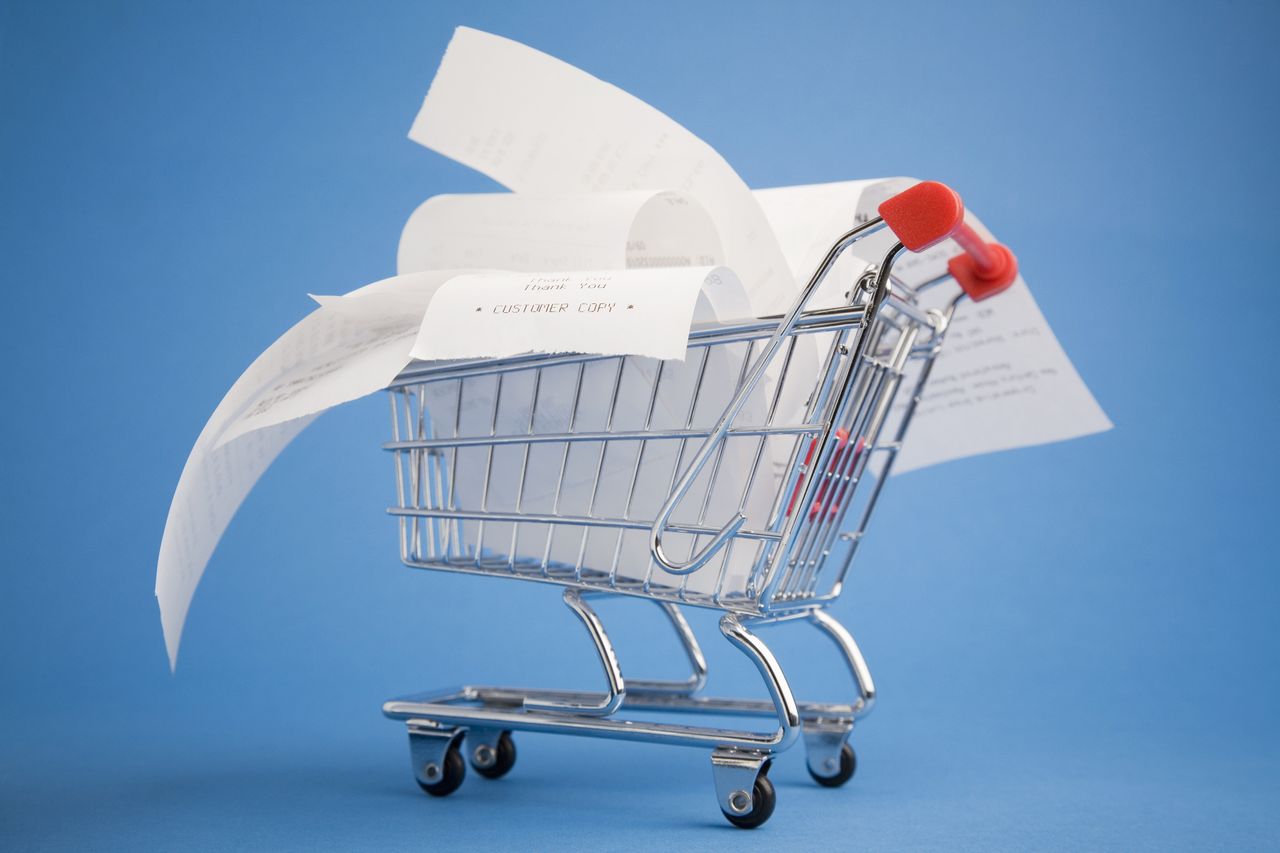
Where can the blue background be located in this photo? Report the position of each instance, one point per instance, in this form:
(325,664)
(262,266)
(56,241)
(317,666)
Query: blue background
(1075,644)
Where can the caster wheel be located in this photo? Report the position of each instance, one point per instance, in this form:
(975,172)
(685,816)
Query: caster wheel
(446,778)
(848,766)
(495,762)
(763,799)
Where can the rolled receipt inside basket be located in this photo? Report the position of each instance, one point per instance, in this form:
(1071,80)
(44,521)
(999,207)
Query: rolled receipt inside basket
(610,312)
(628,229)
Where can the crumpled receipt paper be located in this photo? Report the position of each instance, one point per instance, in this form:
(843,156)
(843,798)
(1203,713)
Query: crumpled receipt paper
(625,228)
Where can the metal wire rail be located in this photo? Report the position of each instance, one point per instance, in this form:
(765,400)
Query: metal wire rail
(571,469)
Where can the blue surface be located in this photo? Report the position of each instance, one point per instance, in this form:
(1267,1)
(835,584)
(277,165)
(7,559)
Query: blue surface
(1076,650)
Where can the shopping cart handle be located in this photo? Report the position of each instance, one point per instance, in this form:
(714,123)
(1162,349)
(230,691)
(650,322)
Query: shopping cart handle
(699,559)
(929,213)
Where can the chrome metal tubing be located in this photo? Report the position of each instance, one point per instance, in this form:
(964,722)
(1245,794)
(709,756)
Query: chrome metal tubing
(852,655)
(761,328)
(731,412)
(851,392)
(561,711)
(569,469)
(595,436)
(942,325)
(568,520)
(825,446)
(697,662)
(612,701)
(515,697)
(438,718)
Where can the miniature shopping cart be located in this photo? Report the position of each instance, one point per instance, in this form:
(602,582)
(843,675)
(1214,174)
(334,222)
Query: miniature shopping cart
(722,482)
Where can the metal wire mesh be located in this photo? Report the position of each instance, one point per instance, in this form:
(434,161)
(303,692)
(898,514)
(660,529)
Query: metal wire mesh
(552,468)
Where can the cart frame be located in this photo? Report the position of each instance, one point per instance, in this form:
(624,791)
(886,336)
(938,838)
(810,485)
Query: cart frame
(872,343)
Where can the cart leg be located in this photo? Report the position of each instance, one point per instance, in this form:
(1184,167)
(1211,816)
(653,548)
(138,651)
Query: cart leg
(743,790)
(784,701)
(831,759)
(436,757)
(840,635)
(697,662)
(575,601)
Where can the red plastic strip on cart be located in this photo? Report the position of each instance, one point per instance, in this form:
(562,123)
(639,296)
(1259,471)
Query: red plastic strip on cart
(929,213)
(842,444)
(843,479)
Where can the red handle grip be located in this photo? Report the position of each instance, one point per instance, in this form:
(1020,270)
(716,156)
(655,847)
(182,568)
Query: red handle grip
(929,213)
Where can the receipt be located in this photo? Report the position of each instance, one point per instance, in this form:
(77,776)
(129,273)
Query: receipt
(636,230)
(609,312)
(214,482)
(340,351)
(1001,381)
(585,231)
(352,346)
(538,125)
(807,220)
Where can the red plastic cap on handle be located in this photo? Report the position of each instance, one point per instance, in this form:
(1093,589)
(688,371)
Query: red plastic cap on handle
(982,282)
(929,213)
(924,215)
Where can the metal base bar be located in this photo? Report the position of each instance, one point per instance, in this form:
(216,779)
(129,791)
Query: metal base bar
(506,708)
(580,713)
(826,726)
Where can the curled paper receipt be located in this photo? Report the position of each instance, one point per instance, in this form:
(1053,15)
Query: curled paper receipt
(610,312)
(633,229)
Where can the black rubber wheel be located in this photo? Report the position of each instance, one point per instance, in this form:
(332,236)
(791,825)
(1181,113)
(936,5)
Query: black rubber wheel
(848,766)
(504,759)
(455,770)
(763,799)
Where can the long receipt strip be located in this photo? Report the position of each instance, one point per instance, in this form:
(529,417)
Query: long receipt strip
(606,183)
(315,358)
(587,231)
